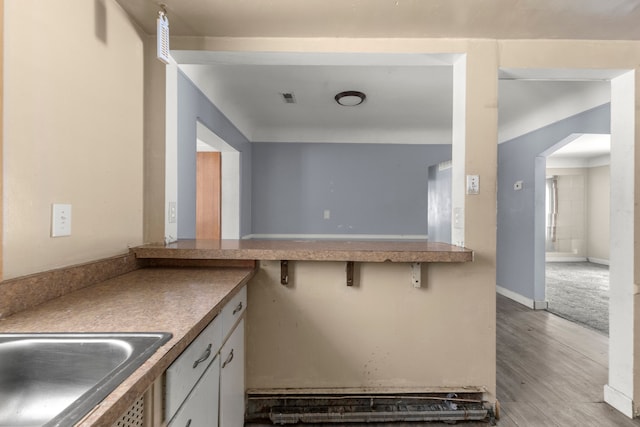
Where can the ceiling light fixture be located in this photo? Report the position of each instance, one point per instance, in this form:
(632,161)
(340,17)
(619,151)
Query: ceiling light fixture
(350,98)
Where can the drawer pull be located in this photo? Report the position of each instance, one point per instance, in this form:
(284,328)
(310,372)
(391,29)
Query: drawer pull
(229,359)
(238,308)
(188,423)
(204,357)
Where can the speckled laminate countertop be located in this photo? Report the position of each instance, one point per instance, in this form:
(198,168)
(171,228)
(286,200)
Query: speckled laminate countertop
(181,301)
(310,250)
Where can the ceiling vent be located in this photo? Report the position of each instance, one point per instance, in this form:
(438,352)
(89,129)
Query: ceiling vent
(163,35)
(288,97)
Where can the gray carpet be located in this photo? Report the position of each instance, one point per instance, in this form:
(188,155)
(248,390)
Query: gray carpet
(579,291)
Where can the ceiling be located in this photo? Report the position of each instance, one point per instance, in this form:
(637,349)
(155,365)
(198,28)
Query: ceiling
(409,97)
(585,146)
(582,151)
(500,19)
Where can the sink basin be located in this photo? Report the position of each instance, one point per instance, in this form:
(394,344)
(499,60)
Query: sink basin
(56,379)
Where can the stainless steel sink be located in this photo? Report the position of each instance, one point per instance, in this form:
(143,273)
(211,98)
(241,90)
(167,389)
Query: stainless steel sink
(56,379)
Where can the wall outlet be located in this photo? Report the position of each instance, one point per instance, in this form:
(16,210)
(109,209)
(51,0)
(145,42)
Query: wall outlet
(60,220)
(326,214)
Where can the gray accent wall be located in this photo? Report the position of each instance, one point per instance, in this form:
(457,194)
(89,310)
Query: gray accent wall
(376,189)
(193,106)
(520,236)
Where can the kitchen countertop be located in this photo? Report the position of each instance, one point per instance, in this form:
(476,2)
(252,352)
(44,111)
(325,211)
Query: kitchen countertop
(181,301)
(310,250)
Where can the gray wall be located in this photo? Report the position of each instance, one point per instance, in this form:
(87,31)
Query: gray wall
(193,105)
(520,248)
(368,188)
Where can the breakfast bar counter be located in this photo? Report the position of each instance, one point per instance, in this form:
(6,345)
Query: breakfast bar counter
(180,287)
(309,250)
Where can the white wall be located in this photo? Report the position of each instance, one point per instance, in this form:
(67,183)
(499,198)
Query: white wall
(598,224)
(571,230)
(583,213)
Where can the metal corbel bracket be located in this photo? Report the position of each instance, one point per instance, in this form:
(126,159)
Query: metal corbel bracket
(416,274)
(284,272)
(350,268)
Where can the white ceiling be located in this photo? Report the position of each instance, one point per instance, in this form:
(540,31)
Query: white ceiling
(530,104)
(408,102)
(586,146)
(409,97)
(583,151)
(250,96)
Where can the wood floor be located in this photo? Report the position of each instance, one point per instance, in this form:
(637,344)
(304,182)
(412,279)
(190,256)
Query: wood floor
(550,373)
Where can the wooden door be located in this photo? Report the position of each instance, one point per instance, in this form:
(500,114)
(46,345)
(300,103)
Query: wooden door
(208,195)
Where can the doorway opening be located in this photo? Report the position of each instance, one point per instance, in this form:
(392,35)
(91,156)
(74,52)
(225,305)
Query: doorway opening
(225,211)
(521,204)
(577,193)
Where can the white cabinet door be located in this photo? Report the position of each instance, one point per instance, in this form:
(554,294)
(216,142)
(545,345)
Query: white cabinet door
(232,379)
(185,371)
(201,407)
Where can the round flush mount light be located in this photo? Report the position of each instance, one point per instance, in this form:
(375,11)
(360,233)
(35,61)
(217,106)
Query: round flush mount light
(350,98)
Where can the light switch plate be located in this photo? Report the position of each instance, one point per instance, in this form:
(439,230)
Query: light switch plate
(173,214)
(473,184)
(458,218)
(60,220)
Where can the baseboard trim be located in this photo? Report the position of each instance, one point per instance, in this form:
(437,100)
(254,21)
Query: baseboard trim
(566,259)
(540,305)
(598,261)
(618,400)
(338,236)
(527,302)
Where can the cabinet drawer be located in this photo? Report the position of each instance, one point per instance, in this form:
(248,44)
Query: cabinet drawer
(185,371)
(233,311)
(201,407)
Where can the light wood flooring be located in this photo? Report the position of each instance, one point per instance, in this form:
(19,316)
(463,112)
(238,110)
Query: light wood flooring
(550,373)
